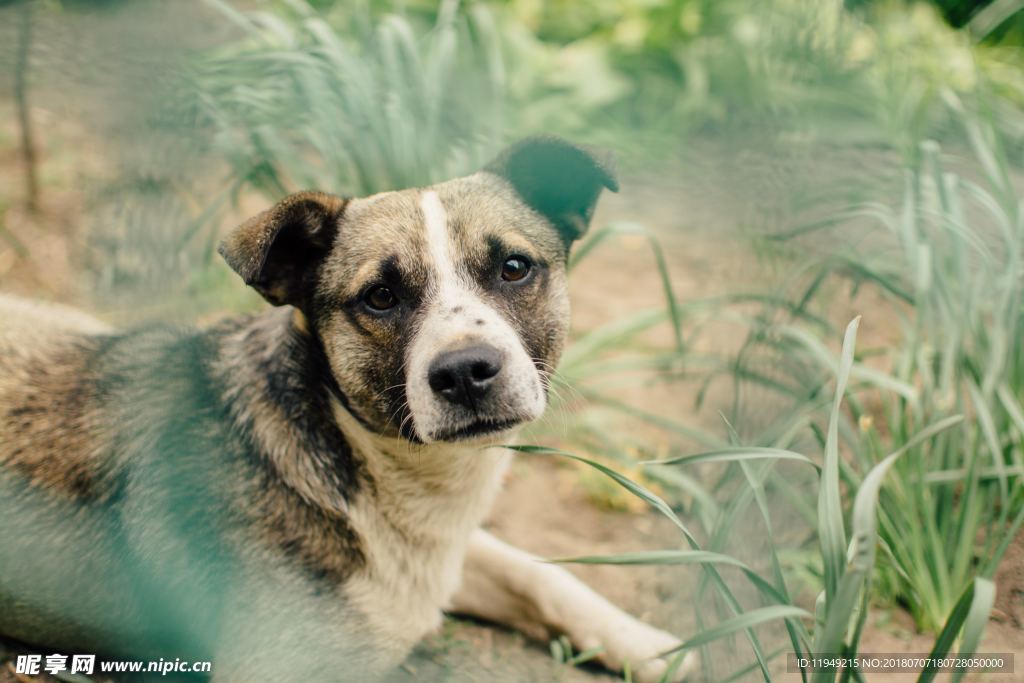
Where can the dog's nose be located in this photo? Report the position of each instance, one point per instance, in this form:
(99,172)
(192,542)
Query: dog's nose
(464,376)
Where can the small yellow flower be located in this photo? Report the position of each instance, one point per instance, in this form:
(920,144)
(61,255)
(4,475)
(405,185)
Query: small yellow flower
(631,32)
(690,19)
(861,47)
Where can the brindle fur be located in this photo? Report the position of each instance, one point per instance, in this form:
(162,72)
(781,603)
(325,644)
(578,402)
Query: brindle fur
(258,492)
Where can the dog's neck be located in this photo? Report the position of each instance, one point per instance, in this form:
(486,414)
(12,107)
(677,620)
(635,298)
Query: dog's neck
(318,448)
(276,395)
(433,485)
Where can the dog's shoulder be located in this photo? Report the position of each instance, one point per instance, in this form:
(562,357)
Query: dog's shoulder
(48,387)
(28,319)
(78,398)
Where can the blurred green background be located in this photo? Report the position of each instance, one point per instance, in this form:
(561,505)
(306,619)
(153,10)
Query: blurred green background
(786,166)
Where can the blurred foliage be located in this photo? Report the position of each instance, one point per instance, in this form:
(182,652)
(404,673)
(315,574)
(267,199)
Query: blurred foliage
(945,266)
(342,102)
(681,66)
(848,561)
(642,76)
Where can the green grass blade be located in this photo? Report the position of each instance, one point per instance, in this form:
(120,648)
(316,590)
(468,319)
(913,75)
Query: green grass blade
(740,673)
(989,432)
(654,557)
(741,622)
(970,613)
(661,506)
(977,618)
(700,436)
(636,489)
(831,531)
(671,302)
(838,610)
(673,667)
(865,538)
(612,335)
(735,455)
(685,557)
(992,563)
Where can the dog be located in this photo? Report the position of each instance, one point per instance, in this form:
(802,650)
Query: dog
(297,495)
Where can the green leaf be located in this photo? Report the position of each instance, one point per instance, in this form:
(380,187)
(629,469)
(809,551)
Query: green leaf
(831,532)
(673,667)
(741,622)
(734,455)
(661,506)
(971,614)
(672,304)
(654,557)
(841,608)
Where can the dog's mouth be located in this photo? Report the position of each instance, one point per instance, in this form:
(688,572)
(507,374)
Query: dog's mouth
(477,428)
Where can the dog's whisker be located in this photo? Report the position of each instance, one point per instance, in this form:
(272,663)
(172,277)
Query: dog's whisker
(398,411)
(350,552)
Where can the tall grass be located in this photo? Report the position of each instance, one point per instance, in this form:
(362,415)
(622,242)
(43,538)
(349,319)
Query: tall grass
(347,104)
(848,559)
(803,72)
(946,268)
(365,99)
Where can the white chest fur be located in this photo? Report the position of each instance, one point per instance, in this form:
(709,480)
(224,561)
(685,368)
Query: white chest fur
(414,525)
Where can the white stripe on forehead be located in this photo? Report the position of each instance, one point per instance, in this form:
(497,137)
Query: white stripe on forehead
(435,218)
(456,315)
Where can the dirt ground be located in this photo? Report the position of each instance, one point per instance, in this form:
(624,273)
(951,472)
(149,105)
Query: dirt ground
(702,211)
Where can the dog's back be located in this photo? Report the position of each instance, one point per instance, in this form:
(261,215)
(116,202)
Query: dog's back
(134,506)
(37,321)
(69,410)
(46,357)
(46,470)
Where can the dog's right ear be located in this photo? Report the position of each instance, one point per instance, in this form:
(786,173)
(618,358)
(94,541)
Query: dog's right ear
(276,252)
(559,180)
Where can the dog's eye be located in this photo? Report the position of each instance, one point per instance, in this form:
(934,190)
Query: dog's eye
(515,268)
(380,298)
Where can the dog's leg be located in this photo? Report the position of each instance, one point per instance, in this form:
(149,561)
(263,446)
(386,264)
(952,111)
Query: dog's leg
(508,586)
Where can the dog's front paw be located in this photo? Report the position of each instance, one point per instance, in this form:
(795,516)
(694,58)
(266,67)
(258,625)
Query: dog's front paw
(623,639)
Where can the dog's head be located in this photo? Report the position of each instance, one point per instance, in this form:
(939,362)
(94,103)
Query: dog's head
(441,310)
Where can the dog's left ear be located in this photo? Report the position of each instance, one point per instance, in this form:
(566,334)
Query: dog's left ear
(277,251)
(557,179)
